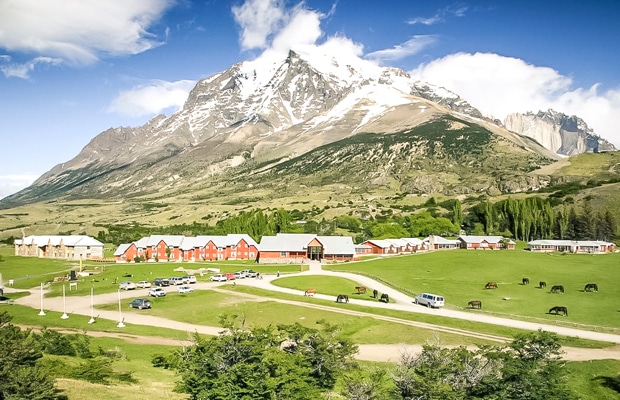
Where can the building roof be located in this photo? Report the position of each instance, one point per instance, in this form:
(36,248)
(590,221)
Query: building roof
(569,243)
(398,242)
(480,239)
(56,240)
(122,248)
(299,242)
(441,240)
(383,243)
(414,241)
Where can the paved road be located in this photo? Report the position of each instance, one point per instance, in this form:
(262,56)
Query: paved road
(82,306)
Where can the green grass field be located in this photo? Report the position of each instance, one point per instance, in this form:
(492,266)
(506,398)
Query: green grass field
(460,276)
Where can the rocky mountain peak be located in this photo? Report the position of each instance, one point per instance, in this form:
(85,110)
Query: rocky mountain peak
(558,132)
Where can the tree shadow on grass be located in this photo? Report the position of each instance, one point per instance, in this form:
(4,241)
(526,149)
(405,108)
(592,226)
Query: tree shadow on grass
(609,382)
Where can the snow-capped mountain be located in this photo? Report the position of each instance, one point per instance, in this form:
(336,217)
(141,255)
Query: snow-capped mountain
(256,113)
(558,132)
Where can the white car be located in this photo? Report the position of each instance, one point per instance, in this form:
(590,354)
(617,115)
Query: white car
(143,284)
(185,289)
(157,292)
(176,280)
(430,300)
(127,285)
(190,279)
(219,278)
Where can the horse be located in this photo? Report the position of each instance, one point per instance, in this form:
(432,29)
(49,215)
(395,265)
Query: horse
(310,292)
(557,288)
(342,298)
(558,309)
(375,293)
(385,298)
(360,289)
(475,304)
(491,285)
(591,287)
(542,284)
(525,281)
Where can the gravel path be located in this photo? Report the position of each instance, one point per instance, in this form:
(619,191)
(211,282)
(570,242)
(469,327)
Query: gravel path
(81,306)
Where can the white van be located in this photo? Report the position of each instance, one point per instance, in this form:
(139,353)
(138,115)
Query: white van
(429,300)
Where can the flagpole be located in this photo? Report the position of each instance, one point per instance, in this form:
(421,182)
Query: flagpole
(120,313)
(41,313)
(92,307)
(64,304)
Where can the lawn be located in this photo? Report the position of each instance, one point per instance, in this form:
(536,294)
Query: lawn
(328,285)
(460,276)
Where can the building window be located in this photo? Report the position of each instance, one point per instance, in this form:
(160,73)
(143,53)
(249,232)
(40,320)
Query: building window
(283,254)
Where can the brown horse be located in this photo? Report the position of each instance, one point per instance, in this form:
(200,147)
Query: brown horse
(310,292)
(342,298)
(525,281)
(475,304)
(360,289)
(542,284)
(557,289)
(591,287)
(558,310)
(491,285)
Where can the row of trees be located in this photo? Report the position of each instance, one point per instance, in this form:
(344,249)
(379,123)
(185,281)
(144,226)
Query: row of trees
(522,219)
(297,362)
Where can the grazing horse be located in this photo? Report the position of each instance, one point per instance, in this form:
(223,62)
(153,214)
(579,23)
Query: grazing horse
(557,288)
(525,281)
(342,298)
(385,298)
(375,293)
(559,309)
(491,285)
(542,284)
(310,292)
(360,289)
(475,304)
(591,287)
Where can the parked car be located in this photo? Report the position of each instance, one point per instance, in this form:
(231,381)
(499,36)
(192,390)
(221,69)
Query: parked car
(161,282)
(140,304)
(127,285)
(250,273)
(157,292)
(190,279)
(218,278)
(185,289)
(240,275)
(176,280)
(143,284)
(230,277)
(429,300)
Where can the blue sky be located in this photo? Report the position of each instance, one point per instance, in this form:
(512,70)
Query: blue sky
(70,69)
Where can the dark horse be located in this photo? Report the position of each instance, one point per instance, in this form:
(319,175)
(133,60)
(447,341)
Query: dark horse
(385,298)
(559,310)
(591,287)
(342,298)
(525,281)
(542,284)
(491,285)
(475,304)
(557,288)
(375,293)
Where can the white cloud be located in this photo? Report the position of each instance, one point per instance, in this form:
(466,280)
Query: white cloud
(78,31)
(152,98)
(16,70)
(410,47)
(10,184)
(258,20)
(499,85)
(455,10)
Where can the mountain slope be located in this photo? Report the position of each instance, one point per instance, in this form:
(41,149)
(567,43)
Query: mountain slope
(258,113)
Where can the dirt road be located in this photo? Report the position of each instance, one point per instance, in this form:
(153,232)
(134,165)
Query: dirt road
(82,306)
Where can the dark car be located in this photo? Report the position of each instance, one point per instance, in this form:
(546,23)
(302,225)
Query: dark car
(140,304)
(161,282)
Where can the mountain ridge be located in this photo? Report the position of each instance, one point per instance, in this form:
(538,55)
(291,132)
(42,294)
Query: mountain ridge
(256,112)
